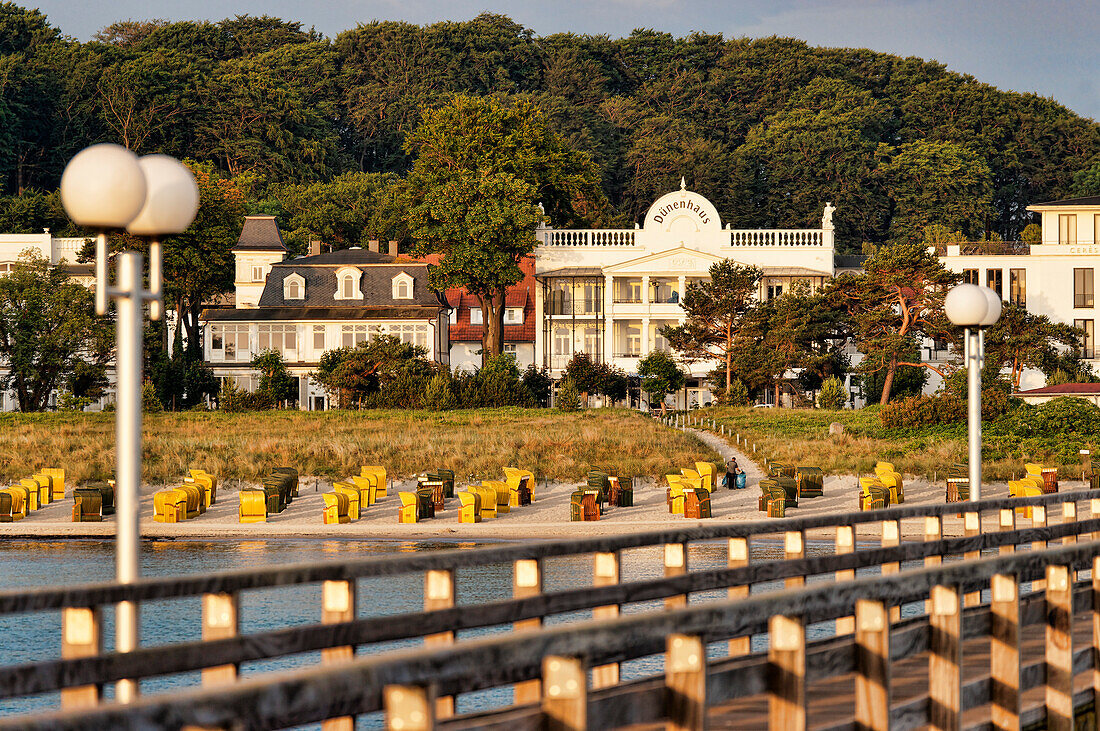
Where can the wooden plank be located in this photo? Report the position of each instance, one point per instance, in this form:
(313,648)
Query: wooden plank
(1006,522)
(872,666)
(565,701)
(605,572)
(1095,605)
(933,532)
(786,674)
(1069,515)
(220,620)
(1038,520)
(845,543)
(527,582)
(794,547)
(338,605)
(1059,649)
(972,526)
(80,637)
(409,708)
(945,660)
(1004,653)
(676,558)
(739,551)
(439,593)
(686,683)
(891,538)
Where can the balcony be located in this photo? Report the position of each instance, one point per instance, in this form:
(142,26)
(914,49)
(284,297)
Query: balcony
(986,248)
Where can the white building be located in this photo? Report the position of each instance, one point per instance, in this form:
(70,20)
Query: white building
(1055,278)
(608,292)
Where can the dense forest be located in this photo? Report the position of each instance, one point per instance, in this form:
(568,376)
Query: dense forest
(313,128)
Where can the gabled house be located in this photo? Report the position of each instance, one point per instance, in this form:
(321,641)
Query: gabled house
(467,326)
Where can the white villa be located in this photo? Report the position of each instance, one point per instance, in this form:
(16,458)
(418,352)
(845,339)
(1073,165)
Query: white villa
(607,292)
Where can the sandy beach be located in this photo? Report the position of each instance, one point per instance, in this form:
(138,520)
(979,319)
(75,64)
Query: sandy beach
(547,517)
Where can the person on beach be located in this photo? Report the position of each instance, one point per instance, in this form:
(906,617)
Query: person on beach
(732,471)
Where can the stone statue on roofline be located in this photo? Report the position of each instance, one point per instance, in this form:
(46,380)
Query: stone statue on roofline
(827,217)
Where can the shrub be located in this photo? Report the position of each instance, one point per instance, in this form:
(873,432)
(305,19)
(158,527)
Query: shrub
(833,395)
(943,408)
(150,404)
(1061,416)
(569,399)
(439,395)
(538,383)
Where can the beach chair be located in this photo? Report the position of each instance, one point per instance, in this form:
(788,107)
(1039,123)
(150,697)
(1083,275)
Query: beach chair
(33,491)
(597,480)
(873,494)
(447,477)
(810,482)
(366,487)
(710,472)
(87,505)
(425,502)
(253,506)
(1024,488)
(697,503)
(13,504)
(519,492)
(891,479)
(469,510)
(513,476)
(336,508)
(590,506)
(501,492)
(674,497)
(407,513)
(488,501)
(781,469)
(45,491)
(379,473)
(207,483)
(343,488)
(194,505)
(626,492)
(576,506)
(57,482)
(169,506)
(773,497)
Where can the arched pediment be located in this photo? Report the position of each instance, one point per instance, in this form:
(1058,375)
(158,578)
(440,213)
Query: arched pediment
(682,212)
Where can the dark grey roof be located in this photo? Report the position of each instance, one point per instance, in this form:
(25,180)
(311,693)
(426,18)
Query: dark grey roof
(572,272)
(849,261)
(344,257)
(292,314)
(260,233)
(375,282)
(1092,200)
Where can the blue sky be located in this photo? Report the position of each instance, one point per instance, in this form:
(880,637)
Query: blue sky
(1050,47)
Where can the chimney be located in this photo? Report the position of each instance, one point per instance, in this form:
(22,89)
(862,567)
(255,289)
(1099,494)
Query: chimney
(393,248)
(373,245)
(314,248)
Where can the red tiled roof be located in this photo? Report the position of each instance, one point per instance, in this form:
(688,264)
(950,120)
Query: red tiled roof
(521,294)
(1063,389)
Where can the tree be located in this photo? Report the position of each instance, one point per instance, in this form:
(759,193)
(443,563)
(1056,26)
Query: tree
(48,331)
(1021,339)
(352,373)
(660,377)
(585,375)
(714,311)
(895,302)
(482,170)
(275,381)
(833,395)
(349,210)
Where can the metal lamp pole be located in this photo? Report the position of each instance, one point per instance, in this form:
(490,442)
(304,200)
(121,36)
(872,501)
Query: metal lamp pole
(107,188)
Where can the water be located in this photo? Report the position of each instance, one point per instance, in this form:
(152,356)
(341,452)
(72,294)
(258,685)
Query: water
(36,637)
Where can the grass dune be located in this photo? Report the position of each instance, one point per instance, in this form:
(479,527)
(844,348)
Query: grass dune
(562,446)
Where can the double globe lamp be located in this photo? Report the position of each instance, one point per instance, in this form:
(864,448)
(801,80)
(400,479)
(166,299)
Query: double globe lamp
(973,308)
(106,188)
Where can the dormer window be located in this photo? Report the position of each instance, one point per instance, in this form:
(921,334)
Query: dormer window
(294,287)
(402,286)
(347,284)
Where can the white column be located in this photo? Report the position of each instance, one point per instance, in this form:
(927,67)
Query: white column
(540,324)
(680,286)
(609,339)
(645,289)
(645,336)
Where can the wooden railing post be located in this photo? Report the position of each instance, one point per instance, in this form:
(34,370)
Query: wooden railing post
(1069,515)
(845,543)
(338,605)
(565,700)
(1094,512)
(972,526)
(891,538)
(739,556)
(80,637)
(933,531)
(1004,653)
(605,573)
(526,582)
(408,708)
(1038,520)
(1007,522)
(685,683)
(945,660)
(675,565)
(1096,628)
(786,674)
(220,620)
(872,666)
(439,593)
(794,546)
(1059,649)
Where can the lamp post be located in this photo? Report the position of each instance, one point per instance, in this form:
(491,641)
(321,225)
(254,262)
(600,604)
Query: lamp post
(973,308)
(107,188)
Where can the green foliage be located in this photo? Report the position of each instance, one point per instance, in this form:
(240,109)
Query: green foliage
(439,394)
(569,398)
(497,383)
(67,401)
(833,395)
(1063,416)
(351,374)
(150,404)
(584,373)
(47,329)
(1032,234)
(1021,339)
(538,383)
(944,408)
(908,381)
(275,382)
(660,376)
(1086,182)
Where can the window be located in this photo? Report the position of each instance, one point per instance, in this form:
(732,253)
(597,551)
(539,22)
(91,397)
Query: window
(592,341)
(281,338)
(561,297)
(229,343)
(994,279)
(1082,288)
(352,335)
(970,276)
(1067,228)
(6,267)
(347,287)
(402,286)
(1095,230)
(1088,338)
(775,289)
(563,341)
(294,287)
(633,340)
(411,333)
(257,273)
(475,316)
(319,338)
(1017,287)
(659,341)
(347,284)
(513,316)
(510,348)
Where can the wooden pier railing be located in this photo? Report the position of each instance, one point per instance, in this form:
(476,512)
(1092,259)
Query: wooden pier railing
(549,667)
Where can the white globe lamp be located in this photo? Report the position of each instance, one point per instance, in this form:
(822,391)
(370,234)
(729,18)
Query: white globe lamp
(966,305)
(171,197)
(993,308)
(103,187)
